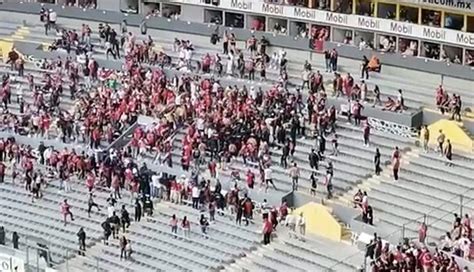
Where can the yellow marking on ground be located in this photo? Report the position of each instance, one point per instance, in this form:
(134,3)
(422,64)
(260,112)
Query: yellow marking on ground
(453,131)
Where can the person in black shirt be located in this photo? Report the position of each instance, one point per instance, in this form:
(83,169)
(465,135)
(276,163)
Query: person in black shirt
(314,183)
(377,162)
(91,203)
(81,235)
(2,236)
(115,224)
(138,211)
(313,159)
(284,155)
(15,239)
(125,218)
(263,45)
(365,68)
(327,59)
(41,149)
(107,231)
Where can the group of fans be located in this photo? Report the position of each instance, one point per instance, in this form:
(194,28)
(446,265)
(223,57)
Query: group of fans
(223,125)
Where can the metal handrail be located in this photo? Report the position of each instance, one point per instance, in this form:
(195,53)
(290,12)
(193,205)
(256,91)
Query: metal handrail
(415,220)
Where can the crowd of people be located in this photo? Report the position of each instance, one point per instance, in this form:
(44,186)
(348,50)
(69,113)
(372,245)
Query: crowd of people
(408,256)
(223,125)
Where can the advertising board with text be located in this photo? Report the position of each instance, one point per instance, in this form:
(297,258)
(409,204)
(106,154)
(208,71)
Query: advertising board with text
(434,34)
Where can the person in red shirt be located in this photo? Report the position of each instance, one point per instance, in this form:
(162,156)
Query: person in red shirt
(212,168)
(66,210)
(90,181)
(422,233)
(250,179)
(267,230)
(426,260)
(396,163)
(95,138)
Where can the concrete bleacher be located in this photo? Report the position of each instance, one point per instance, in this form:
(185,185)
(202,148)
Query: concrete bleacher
(426,186)
(416,93)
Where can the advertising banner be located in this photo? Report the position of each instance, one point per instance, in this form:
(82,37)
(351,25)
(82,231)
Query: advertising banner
(11,264)
(415,31)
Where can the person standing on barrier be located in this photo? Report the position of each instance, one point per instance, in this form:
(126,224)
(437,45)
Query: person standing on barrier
(81,235)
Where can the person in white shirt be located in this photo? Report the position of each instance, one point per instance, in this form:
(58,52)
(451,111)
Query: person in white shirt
(188,54)
(301,224)
(53,16)
(110,211)
(290,222)
(155,186)
(230,64)
(195,192)
(268,178)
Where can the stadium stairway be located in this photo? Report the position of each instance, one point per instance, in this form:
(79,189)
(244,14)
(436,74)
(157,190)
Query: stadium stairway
(427,190)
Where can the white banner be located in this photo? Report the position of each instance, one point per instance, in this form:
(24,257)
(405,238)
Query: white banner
(435,34)
(11,264)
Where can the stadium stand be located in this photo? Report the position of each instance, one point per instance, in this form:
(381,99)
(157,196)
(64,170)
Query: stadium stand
(427,190)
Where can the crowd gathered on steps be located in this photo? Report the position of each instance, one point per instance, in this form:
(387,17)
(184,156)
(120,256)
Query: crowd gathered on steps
(224,122)
(38,168)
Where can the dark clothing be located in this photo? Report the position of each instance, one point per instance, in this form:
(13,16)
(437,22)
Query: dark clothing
(2,236)
(15,239)
(81,235)
(138,212)
(125,218)
(266,238)
(377,164)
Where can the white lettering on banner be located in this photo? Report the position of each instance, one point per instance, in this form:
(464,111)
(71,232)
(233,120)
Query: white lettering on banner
(10,263)
(337,18)
(434,34)
(401,28)
(465,38)
(243,5)
(348,20)
(272,9)
(304,13)
(368,23)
